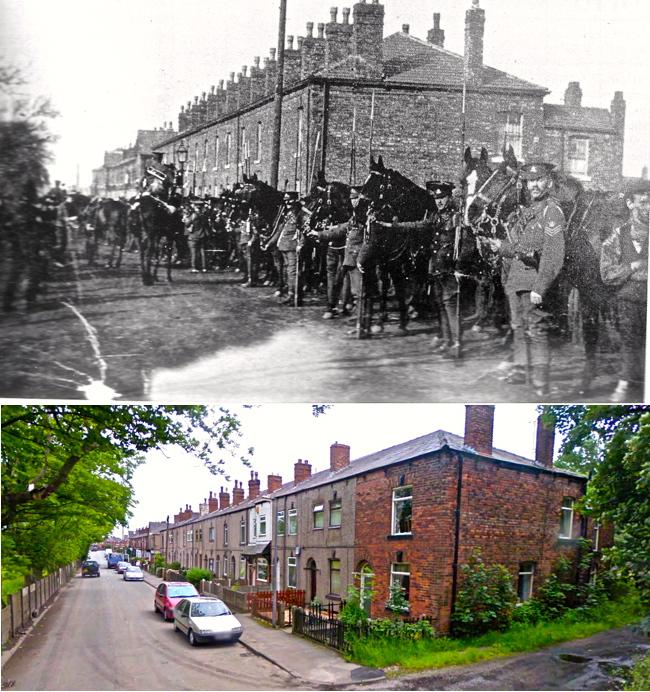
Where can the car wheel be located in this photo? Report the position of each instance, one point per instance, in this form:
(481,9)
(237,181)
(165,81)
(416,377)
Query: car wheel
(191,637)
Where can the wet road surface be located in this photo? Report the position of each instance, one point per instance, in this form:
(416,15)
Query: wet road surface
(100,334)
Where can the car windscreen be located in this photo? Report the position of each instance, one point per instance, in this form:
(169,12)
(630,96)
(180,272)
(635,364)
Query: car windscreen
(133,568)
(208,609)
(181,591)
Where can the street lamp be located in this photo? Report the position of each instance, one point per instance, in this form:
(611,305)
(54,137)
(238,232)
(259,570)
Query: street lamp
(181,153)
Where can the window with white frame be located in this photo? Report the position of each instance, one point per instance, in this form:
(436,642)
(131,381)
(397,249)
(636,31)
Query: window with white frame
(335,513)
(189,536)
(566,518)
(211,565)
(293,522)
(262,526)
(335,577)
(262,569)
(402,509)
(225,534)
(525,582)
(244,152)
(216,151)
(292,572)
(211,534)
(279,523)
(205,155)
(319,516)
(228,148)
(400,578)
(242,532)
(242,568)
(514,128)
(579,155)
(258,143)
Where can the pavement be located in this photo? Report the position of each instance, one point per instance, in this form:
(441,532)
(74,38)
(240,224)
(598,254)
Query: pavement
(301,658)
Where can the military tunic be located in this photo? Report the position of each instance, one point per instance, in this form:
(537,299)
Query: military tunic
(539,240)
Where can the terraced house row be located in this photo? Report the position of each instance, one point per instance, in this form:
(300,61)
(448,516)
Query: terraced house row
(407,516)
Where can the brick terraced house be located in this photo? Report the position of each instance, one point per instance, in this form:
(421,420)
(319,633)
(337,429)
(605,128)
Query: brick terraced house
(347,72)
(406,516)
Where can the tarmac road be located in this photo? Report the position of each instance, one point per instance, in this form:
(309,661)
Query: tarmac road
(100,334)
(102,634)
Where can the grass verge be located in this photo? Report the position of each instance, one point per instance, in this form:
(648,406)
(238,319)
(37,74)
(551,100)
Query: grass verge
(439,652)
(640,679)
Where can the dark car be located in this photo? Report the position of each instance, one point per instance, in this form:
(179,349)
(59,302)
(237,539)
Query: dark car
(90,568)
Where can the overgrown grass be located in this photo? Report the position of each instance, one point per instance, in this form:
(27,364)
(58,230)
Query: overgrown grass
(443,651)
(11,585)
(640,675)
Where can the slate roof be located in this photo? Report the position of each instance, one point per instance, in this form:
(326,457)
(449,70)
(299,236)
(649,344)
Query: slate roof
(570,118)
(414,61)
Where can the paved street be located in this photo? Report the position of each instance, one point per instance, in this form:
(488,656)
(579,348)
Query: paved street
(102,634)
(101,333)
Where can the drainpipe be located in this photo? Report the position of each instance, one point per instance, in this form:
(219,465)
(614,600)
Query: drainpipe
(457,514)
(326,106)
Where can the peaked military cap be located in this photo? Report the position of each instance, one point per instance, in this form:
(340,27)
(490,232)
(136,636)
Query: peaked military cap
(535,170)
(356,191)
(439,188)
(291,196)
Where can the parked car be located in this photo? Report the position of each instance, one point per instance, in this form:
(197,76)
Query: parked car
(90,568)
(203,619)
(121,566)
(133,573)
(169,593)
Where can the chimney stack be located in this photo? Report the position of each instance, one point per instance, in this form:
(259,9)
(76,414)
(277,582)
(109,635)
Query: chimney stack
(224,498)
(473,58)
(617,110)
(274,482)
(237,493)
(544,444)
(573,95)
(436,36)
(301,471)
(479,428)
(405,28)
(339,456)
(368,34)
(253,486)
(213,503)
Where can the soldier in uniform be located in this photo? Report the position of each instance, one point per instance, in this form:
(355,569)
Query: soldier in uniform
(287,238)
(249,241)
(537,254)
(624,265)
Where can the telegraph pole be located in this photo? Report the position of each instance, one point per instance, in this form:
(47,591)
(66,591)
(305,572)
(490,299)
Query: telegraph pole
(279,85)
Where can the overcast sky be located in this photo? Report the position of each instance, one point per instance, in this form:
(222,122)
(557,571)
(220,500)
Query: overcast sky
(283,433)
(113,67)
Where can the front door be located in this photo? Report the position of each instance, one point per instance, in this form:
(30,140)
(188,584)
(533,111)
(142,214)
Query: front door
(311,566)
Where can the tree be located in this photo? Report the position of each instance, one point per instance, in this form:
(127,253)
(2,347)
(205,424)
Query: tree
(66,471)
(611,443)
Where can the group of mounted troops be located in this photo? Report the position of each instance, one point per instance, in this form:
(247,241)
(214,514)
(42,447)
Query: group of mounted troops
(506,247)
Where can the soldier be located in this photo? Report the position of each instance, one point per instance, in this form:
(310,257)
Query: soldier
(287,238)
(624,266)
(537,253)
(249,242)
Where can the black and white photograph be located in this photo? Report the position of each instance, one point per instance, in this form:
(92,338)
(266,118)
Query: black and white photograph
(430,201)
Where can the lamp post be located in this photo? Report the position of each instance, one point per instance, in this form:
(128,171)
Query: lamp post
(181,154)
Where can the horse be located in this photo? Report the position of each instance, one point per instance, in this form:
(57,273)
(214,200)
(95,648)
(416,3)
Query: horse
(160,224)
(111,224)
(391,253)
(496,198)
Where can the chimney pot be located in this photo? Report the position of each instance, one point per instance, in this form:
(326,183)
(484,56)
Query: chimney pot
(266,62)
(196,99)
(405,28)
(301,40)
(232,76)
(321,30)
(436,20)
(244,69)
(333,12)
(346,15)
(272,51)
(212,88)
(256,61)
(310,29)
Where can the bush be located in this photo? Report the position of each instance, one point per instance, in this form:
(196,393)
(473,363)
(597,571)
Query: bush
(528,613)
(388,628)
(195,574)
(486,599)
(352,614)
(176,566)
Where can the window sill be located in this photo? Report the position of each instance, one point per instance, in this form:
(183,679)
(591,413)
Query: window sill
(317,528)
(399,536)
(338,526)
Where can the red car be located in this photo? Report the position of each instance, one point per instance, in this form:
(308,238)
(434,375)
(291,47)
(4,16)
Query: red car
(168,594)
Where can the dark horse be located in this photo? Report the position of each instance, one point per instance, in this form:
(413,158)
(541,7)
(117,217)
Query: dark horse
(497,202)
(160,224)
(392,196)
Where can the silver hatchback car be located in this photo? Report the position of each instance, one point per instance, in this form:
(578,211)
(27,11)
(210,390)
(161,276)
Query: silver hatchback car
(203,619)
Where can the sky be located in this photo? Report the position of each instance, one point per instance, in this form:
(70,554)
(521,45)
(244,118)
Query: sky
(111,68)
(283,433)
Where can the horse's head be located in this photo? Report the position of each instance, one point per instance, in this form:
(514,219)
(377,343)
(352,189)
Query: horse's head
(329,201)
(487,189)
